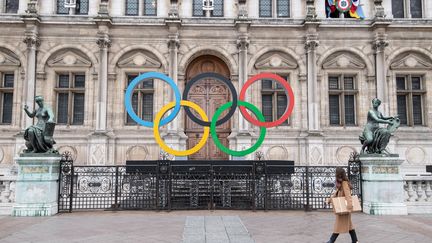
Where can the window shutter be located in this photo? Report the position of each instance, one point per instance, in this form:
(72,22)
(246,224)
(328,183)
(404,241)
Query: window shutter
(334,109)
(398,8)
(265,8)
(147,111)
(82,7)
(417,110)
(78,109)
(416,8)
(8,81)
(61,9)
(63,81)
(198,8)
(132,7)
(150,7)
(281,107)
(349,110)
(218,8)
(7,108)
(267,107)
(283,8)
(62,108)
(402,109)
(12,6)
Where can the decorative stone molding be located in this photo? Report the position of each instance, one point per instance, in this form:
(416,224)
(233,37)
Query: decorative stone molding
(343,154)
(104,42)
(415,155)
(69,58)
(277,153)
(379,10)
(243,43)
(8,59)
(32,41)
(311,42)
(343,60)
(380,42)
(410,61)
(32,7)
(276,60)
(137,152)
(139,59)
(173,42)
(1,155)
(311,15)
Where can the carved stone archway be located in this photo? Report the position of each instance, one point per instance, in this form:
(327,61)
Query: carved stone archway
(209,94)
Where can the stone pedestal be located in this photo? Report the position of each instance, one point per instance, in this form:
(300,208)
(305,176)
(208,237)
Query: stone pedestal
(383,191)
(37,186)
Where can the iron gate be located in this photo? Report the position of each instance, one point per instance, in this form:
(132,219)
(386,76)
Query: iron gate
(167,185)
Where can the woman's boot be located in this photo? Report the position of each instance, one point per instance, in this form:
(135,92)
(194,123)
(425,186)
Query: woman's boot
(353,236)
(333,238)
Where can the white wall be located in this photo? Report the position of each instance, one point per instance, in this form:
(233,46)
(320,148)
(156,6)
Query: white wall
(117,7)
(163,7)
(93,7)
(253,8)
(22,6)
(230,8)
(320,9)
(388,8)
(298,9)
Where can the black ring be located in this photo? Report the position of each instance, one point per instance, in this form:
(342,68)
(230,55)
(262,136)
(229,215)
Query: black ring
(223,80)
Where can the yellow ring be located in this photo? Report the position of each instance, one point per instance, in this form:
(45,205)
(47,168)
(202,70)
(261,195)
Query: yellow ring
(162,144)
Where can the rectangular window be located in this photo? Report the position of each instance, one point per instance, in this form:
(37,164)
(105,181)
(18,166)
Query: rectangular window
(6,97)
(218,8)
(132,7)
(61,9)
(416,8)
(12,6)
(283,8)
(142,100)
(342,100)
(274,100)
(197,9)
(410,97)
(265,8)
(150,7)
(398,9)
(70,91)
(82,7)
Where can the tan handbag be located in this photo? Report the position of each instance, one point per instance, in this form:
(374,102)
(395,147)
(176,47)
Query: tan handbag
(340,205)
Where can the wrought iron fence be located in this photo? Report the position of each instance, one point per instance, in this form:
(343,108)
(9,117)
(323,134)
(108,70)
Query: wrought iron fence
(167,185)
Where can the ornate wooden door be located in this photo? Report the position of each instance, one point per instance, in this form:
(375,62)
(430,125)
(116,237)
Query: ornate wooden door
(209,94)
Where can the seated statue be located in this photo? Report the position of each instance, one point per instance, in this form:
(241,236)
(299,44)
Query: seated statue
(39,137)
(375,138)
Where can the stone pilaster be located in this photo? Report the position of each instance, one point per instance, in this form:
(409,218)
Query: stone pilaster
(379,10)
(379,44)
(311,15)
(312,84)
(101,111)
(32,41)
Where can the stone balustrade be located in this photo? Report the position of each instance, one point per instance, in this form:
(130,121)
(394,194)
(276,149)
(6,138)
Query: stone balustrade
(8,178)
(418,193)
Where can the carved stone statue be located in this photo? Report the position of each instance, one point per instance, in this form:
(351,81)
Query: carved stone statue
(375,138)
(39,137)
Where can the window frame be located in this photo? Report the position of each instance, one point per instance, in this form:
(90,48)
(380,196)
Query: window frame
(274,10)
(141,92)
(71,90)
(4,90)
(275,92)
(342,92)
(6,9)
(70,12)
(408,92)
(407,10)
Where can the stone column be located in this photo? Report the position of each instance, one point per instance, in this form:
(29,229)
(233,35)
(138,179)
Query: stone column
(101,111)
(32,41)
(383,185)
(380,43)
(173,45)
(312,85)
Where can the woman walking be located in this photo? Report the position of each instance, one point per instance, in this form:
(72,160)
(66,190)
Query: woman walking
(343,222)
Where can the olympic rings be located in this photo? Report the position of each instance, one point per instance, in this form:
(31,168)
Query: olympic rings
(135,82)
(209,127)
(218,144)
(288,91)
(223,80)
(158,139)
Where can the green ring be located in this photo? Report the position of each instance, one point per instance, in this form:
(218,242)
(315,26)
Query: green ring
(215,117)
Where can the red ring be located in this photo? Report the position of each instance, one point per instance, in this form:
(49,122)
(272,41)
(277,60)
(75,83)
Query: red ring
(288,90)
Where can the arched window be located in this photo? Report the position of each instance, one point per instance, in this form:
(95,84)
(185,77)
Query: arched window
(9,65)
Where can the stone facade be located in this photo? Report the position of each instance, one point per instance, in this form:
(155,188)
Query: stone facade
(105,45)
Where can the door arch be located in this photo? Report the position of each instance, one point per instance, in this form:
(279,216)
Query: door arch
(209,94)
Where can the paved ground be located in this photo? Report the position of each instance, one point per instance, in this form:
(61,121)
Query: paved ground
(209,227)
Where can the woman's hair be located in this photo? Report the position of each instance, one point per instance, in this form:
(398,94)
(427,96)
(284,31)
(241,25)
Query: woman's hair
(376,99)
(342,176)
(39,98)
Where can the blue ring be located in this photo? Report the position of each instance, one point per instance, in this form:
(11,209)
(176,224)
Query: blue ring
(135,82)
